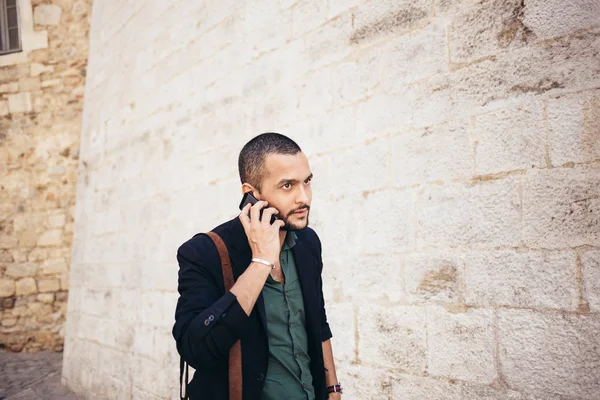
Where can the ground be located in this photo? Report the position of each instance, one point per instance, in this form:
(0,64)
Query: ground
(32,376)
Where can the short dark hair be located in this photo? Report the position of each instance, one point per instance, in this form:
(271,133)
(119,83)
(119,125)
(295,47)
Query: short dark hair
(251,162)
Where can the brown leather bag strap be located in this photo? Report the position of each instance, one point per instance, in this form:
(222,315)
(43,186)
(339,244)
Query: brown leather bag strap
(235,353)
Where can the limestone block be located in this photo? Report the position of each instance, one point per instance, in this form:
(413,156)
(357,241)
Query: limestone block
(461,345)
(352,240)
(371,277)
(513,76)
(590,261)
(483,214)
(37,254)
(52,237)
(448,7)
(573,129)
(393,337)
(47,14)
(20,102)
(552,18)
(355,79)
(28,238)
(38,69)
(350,166)
(550,354)
(322,46)
(509,140)
(46,298)
(57,219)
(48,285)
(4,108)
(432,277)
(340,317)
(5,256)
(25,286)
(21,270)
(561,207)
(29,84)
(7,287)
(364,382)
(10,87)
(337,7)
(441,152)
(398,233)
(307,15)
(378,18)
(532,279)
(414,57)
(50,83)
(51,267)
(11,321)
(410,387)
(313,93)
(383,114)
(486,29)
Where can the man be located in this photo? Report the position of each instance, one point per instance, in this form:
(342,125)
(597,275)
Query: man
(275,307)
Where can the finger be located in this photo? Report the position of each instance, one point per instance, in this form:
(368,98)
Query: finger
(244,218)
(255,212)
(278,224)
(266,217)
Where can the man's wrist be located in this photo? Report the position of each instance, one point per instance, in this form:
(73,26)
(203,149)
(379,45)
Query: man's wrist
(263,262)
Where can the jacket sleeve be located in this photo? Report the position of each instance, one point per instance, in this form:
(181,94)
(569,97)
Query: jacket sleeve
(207,322)
(325,330)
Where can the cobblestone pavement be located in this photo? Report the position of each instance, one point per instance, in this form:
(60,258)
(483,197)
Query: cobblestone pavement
(32,376)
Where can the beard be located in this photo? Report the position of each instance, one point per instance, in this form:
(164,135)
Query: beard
(290,226)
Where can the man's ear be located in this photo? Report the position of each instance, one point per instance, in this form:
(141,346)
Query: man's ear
(246,187)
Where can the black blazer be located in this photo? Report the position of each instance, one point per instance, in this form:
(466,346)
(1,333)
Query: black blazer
(209,321)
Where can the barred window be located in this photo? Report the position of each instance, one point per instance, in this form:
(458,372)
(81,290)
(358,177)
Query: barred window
(10,38)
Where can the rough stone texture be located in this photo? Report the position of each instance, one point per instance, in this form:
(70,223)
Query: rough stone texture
(591,278)
(433,277)
(509,140)
(573,129)
(461,345)
(47,14)
(40,125)
(478,214)
(542,280)
(550,354)
(454,146)
(393,337)
(561,207)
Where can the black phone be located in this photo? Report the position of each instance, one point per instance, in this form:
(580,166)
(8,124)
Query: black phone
(249,198)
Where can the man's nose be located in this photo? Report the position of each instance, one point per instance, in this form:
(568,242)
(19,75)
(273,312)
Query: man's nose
(302,196)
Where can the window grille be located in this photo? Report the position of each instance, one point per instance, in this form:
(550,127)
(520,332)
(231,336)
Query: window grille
(10,37)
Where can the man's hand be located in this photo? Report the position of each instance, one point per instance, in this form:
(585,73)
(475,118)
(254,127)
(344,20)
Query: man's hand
(263,237)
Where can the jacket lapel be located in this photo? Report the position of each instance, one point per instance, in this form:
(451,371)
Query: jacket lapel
(305,265)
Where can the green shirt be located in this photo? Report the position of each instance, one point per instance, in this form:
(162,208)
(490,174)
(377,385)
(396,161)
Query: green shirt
(288,376)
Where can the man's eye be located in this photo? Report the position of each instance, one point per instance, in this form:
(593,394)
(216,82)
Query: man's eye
(287,186)
(308,181)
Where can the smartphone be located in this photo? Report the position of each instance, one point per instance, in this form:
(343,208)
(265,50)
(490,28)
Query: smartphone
(249,198)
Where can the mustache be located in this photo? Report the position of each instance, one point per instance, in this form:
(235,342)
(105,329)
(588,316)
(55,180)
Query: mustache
(299,209)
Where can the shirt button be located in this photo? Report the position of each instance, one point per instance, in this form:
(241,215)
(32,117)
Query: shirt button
(206,322)
(286,294)
(260,377)
(211,318)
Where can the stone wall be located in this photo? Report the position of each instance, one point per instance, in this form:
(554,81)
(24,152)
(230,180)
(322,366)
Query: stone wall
(41,102)
(456,154)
